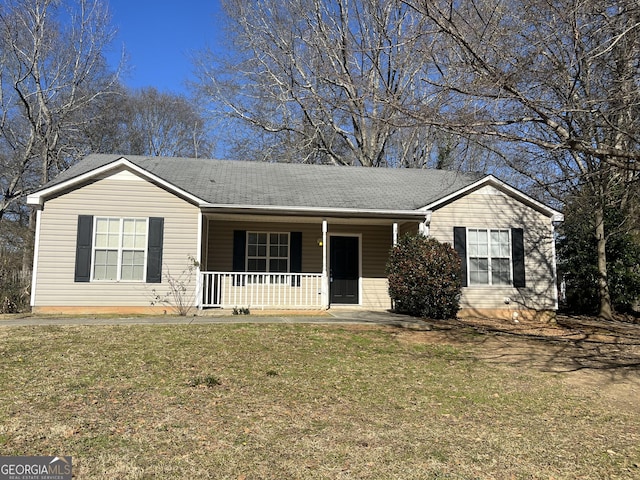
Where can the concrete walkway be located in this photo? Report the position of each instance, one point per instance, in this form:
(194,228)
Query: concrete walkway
(329,317)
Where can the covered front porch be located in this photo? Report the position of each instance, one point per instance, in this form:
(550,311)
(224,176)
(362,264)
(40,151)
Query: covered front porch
(286,260)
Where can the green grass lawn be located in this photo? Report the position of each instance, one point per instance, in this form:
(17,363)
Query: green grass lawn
(297,401)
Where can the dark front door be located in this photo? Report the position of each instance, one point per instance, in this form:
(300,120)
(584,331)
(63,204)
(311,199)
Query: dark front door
(344,263)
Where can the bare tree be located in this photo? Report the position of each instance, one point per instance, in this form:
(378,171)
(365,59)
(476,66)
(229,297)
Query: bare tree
(149,122)
(51,70)
(324,81)
(163,124)
(556,81)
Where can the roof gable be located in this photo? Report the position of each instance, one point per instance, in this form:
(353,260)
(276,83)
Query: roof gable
(492,182)
(115,167)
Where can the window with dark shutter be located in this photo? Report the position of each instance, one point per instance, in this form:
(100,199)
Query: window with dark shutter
(491,256)
(115,249)
(267,253)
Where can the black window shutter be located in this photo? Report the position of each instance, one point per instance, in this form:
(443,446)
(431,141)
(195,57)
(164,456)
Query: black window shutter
(517,257)
(460,246)
(295,256)
(239,250)
(296,252)
(154,250)
(239,254)
(83,248)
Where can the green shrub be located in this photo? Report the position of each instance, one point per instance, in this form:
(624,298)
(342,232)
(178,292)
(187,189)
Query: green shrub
(424,277)
(578,260)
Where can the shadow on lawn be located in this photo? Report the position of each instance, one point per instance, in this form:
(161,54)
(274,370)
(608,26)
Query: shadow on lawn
(572,344)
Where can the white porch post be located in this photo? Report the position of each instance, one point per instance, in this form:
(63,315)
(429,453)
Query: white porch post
(36,256)
(423,228)
(198,293)
(324,289)
(395,233)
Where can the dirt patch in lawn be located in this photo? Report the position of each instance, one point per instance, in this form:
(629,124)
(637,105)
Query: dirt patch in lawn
(598,357)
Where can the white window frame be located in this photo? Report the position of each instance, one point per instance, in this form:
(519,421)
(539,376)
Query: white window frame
(268,257)
(273,277)
(489,257)
(121,249)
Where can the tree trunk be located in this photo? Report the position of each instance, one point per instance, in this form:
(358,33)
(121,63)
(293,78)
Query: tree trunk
(606,310)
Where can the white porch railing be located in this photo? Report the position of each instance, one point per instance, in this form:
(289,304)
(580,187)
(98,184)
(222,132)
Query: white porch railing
(261,290)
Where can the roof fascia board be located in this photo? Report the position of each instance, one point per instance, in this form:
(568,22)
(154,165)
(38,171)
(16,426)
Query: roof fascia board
(555,215)
(315,211)
(38,198)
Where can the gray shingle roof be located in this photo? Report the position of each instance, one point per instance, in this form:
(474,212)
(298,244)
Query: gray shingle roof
(227,182)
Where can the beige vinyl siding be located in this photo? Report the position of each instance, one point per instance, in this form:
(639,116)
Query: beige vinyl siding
(376,241)
(489,208)
(375,293)
(120,195)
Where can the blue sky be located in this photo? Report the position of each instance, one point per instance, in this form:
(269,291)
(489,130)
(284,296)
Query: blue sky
(159,37)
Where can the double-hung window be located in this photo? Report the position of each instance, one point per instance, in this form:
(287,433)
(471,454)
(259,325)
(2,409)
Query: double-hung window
(269,256)
(489,253)
(491,256)
(268,253)
(119,249)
